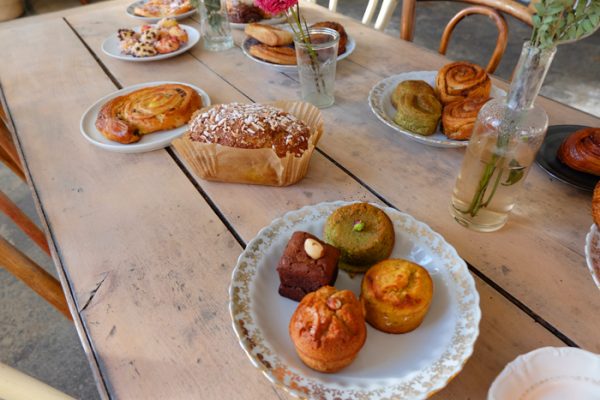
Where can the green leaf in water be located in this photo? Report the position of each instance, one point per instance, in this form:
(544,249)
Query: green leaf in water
(516,173)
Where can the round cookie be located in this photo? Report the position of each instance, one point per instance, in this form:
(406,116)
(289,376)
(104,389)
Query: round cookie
(363,233)
(396,295)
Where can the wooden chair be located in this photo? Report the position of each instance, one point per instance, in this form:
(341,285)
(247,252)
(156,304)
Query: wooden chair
(385,13)
(15,262)
(15,385)
(491,8)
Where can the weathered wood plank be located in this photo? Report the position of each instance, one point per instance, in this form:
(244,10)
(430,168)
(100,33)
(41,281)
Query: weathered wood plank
(146,258)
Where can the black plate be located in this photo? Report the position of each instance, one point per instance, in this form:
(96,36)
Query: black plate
(546,158)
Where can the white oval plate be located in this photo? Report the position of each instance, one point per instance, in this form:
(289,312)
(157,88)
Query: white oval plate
(149,142)
(592,253)
(153,20)
(408,366)
(381,105)
(350,46)
(270,21)
(111,46)
(549,373)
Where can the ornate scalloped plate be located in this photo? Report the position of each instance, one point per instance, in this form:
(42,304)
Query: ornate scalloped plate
(381,105)
(350,46)
(131,11)
(549,373)
(592,253)
(410,366)
(111,46)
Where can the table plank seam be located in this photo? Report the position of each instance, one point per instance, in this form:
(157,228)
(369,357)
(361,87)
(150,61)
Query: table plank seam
(57,258)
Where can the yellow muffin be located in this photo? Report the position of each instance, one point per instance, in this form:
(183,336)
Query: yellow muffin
(396,295)
(328,329)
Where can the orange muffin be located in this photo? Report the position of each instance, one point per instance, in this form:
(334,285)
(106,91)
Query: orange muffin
(396,295)
(328,329)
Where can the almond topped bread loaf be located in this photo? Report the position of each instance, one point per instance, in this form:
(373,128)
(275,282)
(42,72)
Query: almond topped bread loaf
(251,126)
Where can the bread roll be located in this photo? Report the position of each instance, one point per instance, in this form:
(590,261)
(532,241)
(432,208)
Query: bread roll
(418,110)
(269,35)
(581,151)
(461,79)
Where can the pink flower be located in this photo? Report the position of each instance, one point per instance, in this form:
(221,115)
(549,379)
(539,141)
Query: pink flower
(275,7)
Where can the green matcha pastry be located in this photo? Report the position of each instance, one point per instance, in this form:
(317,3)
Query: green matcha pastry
(418,109)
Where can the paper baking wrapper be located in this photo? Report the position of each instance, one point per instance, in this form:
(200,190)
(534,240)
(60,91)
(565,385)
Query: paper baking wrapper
(215,162)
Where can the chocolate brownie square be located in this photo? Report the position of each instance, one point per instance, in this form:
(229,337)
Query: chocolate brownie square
(299,273)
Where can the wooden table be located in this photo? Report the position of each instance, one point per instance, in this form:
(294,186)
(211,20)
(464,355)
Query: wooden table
(145,250)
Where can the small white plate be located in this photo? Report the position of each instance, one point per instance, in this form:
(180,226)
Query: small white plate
(270,21)
(149,142)
(592,253)
(381,105)
(350,46)
(111,46)
(131,8)
(409,366)
(549,373)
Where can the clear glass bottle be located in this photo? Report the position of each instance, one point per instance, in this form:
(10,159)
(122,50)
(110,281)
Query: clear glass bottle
(214,26)
(506,137)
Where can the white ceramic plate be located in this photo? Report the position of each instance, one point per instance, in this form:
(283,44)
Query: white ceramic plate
(381,105)
(111,46)
(408,366)
(592,253)
(270,21)
(549,373)
(149,142)
(152,20)
(350,46)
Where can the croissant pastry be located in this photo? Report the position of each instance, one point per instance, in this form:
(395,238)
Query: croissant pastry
(417,110)
(581,151)
(461,79)
(458,117)
(269,35)
(275,54)
(125,119)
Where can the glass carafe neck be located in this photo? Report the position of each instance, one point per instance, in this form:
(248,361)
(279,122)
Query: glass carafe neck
(529,76)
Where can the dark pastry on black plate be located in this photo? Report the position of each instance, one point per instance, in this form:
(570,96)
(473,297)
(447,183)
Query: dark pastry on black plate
(307,264)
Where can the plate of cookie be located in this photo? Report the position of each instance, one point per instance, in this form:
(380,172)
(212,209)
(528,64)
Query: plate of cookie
(165,39)
(142,117)
(273,46)
(354,300)
(152,11)
(437,108)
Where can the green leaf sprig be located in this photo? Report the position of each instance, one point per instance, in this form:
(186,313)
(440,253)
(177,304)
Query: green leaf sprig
(561,21)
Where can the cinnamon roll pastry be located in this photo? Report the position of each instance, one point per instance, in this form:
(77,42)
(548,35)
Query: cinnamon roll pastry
(336,27)
(417,110)
(581,151)
(458,117)
(274,54)
(125,119)
(596,204)
(462,79)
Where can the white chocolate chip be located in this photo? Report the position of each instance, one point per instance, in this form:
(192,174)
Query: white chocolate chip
(313,249)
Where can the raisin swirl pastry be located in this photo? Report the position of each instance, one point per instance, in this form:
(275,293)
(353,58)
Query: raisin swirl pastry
(458,117)
(125,119)
(581,151)
(461,79)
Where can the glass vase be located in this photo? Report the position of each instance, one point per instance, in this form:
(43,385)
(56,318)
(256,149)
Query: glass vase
(214,26)
(506,137)
(317,61)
